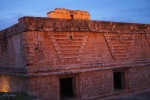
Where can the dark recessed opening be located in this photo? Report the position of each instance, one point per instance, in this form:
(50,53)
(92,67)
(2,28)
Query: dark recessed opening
(66,88)
(70,37)
(118,81)
(71,17)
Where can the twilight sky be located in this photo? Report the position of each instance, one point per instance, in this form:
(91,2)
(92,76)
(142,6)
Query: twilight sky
(135,11)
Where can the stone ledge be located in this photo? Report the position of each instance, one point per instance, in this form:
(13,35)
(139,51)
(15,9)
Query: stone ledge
(76,25)
(54,24)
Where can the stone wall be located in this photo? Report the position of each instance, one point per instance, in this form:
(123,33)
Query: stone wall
(55,51)
(52,24)
(69,14)
(46,47)
(142,47)
(96,85)
(11,53)
(96,50)
(13,84)
(39,50)
(46,88)
(139,78)
(90,85)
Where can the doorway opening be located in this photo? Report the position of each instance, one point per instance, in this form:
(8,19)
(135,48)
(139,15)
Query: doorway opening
(119,80)
(66,88)
(71,17)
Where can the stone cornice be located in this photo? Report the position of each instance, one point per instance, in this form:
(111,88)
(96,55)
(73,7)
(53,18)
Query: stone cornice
(51,24)
(13,71)
(85,68)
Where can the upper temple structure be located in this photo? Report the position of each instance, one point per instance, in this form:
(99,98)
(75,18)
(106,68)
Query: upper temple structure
(68,56)
(69,14)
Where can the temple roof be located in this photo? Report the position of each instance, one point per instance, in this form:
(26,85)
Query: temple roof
(56,24)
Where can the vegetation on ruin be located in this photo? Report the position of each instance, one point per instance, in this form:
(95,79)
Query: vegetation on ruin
(16,96)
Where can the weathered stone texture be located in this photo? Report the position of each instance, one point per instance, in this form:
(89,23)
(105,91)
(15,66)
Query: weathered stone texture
(139,78)
(51,24)
(45,50)
(46,88)
(11,51)
(13,83)
(96,50)
(54,50)
(69,14)
(94,85)
(142,47)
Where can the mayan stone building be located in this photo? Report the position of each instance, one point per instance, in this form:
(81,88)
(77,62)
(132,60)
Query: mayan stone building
(67,55)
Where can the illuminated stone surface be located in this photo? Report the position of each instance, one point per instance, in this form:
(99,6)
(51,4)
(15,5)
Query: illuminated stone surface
(38,55)
(69,14)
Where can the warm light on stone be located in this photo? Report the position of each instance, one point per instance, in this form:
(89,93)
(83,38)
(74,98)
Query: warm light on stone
(69,14)
(4,85)
(68,55)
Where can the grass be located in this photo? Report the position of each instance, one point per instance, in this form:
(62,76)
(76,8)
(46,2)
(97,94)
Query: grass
(19,96)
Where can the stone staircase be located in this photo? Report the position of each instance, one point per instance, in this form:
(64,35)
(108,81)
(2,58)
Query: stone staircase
(69,46)
(120,44)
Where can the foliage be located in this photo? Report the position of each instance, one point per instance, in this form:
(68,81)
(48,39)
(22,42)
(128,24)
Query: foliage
(17,96)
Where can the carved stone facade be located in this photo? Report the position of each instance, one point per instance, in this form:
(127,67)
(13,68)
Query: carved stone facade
(62,58)
(69,14)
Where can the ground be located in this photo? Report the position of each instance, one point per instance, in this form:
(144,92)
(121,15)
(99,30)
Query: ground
(15,96)
(137,96)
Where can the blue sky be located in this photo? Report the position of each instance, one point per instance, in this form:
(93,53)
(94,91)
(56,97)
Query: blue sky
(135,11)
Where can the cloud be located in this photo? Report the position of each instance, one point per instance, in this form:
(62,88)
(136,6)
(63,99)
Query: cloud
(138,14)
(140,11)
(131,15)
(118,19)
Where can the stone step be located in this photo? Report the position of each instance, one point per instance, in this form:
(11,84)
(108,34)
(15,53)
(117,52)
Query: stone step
(70,52)
(66,36)
(124,37)
(68,45)
(69,42)
(116,35)
(62,38)
(119,51)
(119,55)
(69,56)
(121,48)
(67,49)
(72,60)
(120,45)
(74,34)
(71,47)
(65,39)
(114,38)
(119,42)
(121,58)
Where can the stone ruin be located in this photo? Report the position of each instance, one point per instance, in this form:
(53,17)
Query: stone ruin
(68,14)
(67,55)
